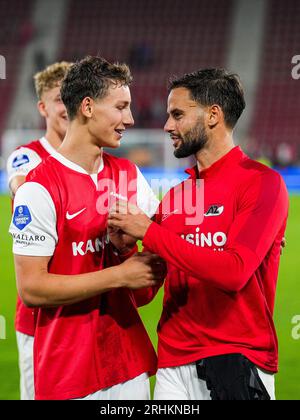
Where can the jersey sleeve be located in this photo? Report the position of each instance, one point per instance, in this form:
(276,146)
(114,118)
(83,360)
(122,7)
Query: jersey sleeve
(21,162)
(261,216)
(33,225)
(146,199)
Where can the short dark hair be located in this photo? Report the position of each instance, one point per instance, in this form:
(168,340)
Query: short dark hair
(91,76)
(214,86)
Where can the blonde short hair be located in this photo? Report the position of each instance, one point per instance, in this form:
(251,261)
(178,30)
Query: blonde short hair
(50,77)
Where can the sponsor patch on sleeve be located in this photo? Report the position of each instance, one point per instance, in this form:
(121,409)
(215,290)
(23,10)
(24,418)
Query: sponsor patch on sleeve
(22,217)
(20,160)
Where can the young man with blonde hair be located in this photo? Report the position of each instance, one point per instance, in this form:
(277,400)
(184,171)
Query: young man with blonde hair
(19,164)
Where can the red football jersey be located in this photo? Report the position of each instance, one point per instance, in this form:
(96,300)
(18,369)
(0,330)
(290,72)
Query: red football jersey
(20,162)
(100,342)
(222,273)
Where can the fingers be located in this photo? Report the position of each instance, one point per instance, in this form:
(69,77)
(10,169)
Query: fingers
(134,209)
(125,207)
(120,206)
(116,216)
(115,221)
(157,266)
(155,262)
(154,257)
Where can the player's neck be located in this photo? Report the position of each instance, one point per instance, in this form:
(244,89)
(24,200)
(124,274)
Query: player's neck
(213,151)
(53,138)
(85,154)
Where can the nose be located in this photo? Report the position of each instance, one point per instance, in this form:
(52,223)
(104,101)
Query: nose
(169,126)
(128,119)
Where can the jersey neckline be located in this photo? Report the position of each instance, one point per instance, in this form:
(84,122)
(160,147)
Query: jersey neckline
(72,165)
(47,146)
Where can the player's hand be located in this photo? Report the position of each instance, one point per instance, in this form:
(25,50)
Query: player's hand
(143,270)
(122,242)
(129,219)
(282,245)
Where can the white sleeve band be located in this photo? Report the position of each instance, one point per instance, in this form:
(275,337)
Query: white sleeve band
(21,162)
(146,199)
(33,225)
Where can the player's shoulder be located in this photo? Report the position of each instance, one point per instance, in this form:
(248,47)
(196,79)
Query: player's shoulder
(44,172)
(23,158)
(32,145)
(257,178)
(120,162)
(253,169)
(30,190)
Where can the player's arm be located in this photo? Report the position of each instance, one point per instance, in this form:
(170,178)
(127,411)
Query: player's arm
(19,164)
(261,215)
(15,183)
(39,288)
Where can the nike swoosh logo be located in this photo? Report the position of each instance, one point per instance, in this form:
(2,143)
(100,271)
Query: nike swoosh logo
(71,216)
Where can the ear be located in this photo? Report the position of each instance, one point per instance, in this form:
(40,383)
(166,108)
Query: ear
(42,109)
(87,107)
(215,114)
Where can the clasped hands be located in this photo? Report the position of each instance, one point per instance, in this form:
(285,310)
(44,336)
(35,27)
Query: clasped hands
(128,219)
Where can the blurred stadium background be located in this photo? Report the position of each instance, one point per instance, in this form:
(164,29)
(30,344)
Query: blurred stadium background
(258,39)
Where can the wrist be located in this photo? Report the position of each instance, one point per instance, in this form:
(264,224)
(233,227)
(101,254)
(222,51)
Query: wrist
(118,276)
(145,229)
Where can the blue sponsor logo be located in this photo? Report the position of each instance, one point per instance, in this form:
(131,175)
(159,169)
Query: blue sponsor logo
(19,161)
(22,217)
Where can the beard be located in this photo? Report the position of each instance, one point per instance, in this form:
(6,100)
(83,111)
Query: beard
(192,142)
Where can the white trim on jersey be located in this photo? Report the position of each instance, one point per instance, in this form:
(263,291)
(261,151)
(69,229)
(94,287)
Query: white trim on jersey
(71,165)
(47,146)
(39,236)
